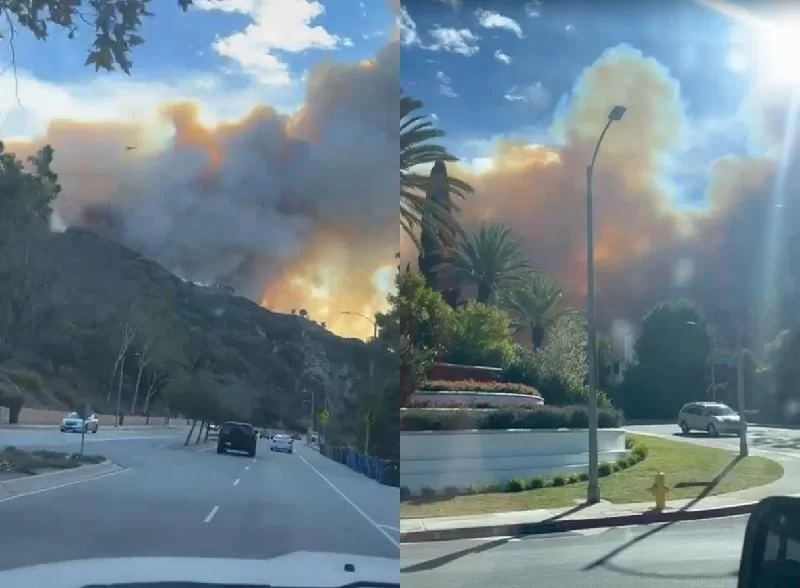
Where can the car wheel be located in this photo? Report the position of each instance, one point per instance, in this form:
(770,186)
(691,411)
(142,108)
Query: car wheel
(684,428)
(220,450)
(62,429)
(94,430)
(712,430)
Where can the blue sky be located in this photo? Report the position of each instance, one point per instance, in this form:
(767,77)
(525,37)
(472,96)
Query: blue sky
(228,55)
(497,68)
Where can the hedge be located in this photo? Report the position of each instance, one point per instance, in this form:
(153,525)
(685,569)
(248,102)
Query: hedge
(543,417)
(477,386)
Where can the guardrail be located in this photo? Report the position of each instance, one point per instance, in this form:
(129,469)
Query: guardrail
(386,472)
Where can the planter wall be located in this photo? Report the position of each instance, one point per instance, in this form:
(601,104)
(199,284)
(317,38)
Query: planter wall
(494,399)
(459,459)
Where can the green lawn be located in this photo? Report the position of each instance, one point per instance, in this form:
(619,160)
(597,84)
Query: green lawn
(689,469)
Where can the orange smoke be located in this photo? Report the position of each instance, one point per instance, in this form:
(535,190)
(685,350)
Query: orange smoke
(292,211)
(649,243)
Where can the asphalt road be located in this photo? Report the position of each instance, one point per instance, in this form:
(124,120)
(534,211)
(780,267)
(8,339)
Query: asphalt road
(172,501)
(703,554)
(769,439)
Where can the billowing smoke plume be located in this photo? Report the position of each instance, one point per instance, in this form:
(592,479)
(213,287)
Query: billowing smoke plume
(295,212)
(649,243)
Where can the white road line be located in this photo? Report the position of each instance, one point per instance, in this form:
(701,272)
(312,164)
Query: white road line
(210,515)
(391,528)
(236,482)
(353,504)
(73,483)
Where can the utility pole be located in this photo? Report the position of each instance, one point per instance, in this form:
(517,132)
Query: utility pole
(310,420)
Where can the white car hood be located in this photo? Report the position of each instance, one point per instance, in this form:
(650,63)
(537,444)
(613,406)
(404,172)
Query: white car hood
(301,568)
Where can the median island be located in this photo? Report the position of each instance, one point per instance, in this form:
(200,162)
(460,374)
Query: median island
(691,470)
(15,462)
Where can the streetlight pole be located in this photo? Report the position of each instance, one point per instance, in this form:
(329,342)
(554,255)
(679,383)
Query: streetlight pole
(744,451)
(366,318)
(593,490)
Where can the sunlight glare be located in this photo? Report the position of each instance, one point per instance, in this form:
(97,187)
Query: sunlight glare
(779,45)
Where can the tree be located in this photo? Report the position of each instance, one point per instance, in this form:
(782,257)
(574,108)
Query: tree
(196,396)
(416,210)
(490,259)
(672,358)
(481,335)
(415,329)
(116,25)
(536,306)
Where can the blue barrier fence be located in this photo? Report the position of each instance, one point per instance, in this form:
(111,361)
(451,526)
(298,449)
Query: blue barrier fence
(385,472)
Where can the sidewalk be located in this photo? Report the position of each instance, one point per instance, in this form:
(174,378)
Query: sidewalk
(602,514)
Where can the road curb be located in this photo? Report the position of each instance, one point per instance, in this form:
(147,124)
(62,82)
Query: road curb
(569,525)
(39,482)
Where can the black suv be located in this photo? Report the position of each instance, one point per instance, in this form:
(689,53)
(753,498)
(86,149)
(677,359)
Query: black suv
(237,437)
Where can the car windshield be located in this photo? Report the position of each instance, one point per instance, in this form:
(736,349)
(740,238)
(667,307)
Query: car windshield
(720,410)
(198,226)
(600,227)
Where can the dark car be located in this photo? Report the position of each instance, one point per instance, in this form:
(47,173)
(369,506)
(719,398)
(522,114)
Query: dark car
(237,437)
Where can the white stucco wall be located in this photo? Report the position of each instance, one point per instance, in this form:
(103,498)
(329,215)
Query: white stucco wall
(442,459)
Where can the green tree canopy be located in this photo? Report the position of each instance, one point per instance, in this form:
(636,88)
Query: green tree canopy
(672,361)
(481,335)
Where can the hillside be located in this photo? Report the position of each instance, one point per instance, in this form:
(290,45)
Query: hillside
(69,298)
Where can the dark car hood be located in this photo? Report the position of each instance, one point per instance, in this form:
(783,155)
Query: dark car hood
(303,569)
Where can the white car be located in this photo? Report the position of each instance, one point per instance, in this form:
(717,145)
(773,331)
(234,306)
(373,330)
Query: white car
(282,443)
(74,422)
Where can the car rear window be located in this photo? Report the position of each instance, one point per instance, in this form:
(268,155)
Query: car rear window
(232,428)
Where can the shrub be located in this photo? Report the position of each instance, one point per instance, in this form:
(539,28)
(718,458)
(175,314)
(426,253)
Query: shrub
(640,451)
(632,460)
(452,491)
(536,482)
(494,487)
(477,386)
(622,463)
(573,478)
(427,491)
(629,442)
(543,417)
(473,489)
(515,485)
(605,469)
(559,480)
(584,476)
(404,493)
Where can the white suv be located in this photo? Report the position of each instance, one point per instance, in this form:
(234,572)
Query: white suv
(713,417)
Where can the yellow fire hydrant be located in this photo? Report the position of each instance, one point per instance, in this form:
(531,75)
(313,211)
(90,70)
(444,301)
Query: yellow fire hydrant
(660,490)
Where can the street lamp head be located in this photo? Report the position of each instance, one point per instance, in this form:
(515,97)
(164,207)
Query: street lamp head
(617,113)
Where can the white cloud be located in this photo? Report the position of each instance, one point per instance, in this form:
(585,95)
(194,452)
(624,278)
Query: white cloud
(283,26)
(533,9)
(408,29)
(494,20)
(502,57)
(445,85)
(461,41)
(536,95)
(347,42)
(114,98)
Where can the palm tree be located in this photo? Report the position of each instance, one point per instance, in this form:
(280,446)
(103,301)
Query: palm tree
(537,306)
(491,259)
(415,150)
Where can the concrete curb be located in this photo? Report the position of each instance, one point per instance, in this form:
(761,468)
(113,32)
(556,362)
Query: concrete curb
(568,525)
(39,482)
